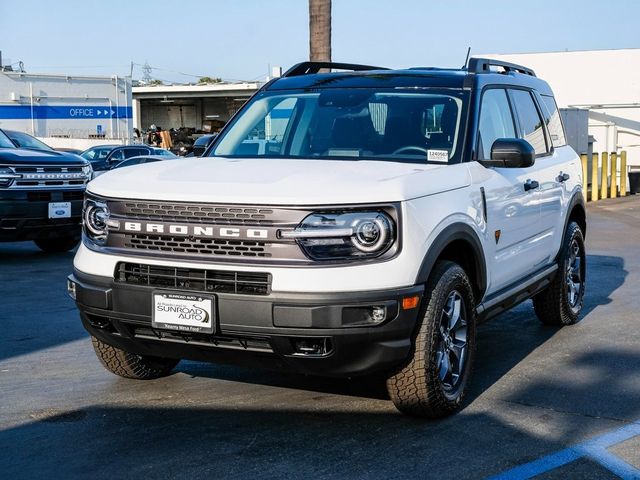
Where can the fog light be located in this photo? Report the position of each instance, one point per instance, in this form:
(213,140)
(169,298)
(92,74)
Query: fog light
(312,346)
(378,314)
(71,289)
(368,315)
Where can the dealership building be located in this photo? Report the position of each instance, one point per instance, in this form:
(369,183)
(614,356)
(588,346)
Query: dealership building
(80,111)
(67,111)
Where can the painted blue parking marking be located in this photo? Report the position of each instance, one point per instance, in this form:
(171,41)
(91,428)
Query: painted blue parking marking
(594,449)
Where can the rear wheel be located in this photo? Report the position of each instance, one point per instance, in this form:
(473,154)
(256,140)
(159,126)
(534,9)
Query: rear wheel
(131,365)
(561,302)
(434,381)
(57,245)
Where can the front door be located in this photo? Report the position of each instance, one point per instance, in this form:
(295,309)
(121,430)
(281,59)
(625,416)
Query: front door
(513,209)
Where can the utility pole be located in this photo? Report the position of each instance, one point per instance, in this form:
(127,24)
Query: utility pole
(320,30)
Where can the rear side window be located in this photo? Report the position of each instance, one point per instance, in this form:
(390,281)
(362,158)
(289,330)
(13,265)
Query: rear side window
(134,152)
(554,123)
(495,121)
(531,127)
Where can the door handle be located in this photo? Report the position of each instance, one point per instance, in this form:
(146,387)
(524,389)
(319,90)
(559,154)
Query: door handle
(563,177)
(530,185)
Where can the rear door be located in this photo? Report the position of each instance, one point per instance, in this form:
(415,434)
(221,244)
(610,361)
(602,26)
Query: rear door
(513,214)
(561,169)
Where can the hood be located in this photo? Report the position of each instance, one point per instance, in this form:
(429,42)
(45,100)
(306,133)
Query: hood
(279,182)
(26,156)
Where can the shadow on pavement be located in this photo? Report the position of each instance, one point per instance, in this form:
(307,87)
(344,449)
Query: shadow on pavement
(37,313)
(260,439)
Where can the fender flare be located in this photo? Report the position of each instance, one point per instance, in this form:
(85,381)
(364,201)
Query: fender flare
(453,232)
(576,200)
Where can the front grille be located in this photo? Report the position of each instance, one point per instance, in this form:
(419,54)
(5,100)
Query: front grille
(214,281)
(231,231)
(49,176)
(170,212)
(202,246)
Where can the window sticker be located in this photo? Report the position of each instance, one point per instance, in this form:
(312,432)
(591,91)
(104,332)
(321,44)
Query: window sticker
(441,156)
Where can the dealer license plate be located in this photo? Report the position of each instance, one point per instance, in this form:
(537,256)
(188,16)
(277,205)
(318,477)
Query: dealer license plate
(184,312)
(59,209)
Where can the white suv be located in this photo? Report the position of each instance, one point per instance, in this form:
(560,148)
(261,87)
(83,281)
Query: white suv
(388,213)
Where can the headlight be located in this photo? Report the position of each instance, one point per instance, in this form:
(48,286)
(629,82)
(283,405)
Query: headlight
(87,171)
(96,220)
(7,176)
(343,235)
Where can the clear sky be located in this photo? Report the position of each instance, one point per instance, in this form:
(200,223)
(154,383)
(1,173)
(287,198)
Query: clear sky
(239,39)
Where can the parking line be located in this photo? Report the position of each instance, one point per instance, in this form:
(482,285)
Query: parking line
(595,449)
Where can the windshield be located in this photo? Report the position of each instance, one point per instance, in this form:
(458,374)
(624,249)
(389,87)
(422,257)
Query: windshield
(27,141)
(380,124)
(5,142)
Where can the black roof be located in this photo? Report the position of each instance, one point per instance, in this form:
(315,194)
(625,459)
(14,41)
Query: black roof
(478,74)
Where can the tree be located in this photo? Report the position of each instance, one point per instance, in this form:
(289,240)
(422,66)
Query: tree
(320,30)
(209,80)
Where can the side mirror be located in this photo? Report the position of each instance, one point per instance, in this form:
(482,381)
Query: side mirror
(511,153)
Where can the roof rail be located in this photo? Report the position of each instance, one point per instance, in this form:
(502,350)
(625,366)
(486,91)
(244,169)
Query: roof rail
(308,68)
(483,65)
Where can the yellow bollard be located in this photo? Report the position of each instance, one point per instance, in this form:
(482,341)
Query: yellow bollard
(604,178)
(623,173)
(585,183)
(594,177)
(614,175)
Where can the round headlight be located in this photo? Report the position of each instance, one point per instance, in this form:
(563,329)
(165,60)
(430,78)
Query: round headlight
(344,235)
(371,234)
(95,218)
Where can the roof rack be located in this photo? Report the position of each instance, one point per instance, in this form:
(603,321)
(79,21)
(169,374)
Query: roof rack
(308,68)
(483,65)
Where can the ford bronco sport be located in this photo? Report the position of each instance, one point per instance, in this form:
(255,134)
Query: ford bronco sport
(388,213)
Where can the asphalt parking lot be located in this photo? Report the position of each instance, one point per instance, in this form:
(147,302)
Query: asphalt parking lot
(547,402)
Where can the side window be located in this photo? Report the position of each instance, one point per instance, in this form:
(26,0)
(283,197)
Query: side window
(531,128)
(495,121)
(118,155)
(134,152)
(554,123)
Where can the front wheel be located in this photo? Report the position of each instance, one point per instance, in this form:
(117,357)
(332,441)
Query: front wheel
(561,302)
(434,381)
(131,365)
(57,245)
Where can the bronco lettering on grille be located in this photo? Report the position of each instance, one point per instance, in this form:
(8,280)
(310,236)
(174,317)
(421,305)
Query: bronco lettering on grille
(198,230)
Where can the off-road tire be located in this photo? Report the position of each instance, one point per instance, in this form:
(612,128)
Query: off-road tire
(57,245)
(129,365)
(552,305)
(416,388)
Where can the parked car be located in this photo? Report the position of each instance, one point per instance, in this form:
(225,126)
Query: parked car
(386,215)
(201,144)
(41,193)
(105,157)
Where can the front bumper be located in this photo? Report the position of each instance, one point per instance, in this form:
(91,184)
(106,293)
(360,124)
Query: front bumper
(24,214)
(301,332)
